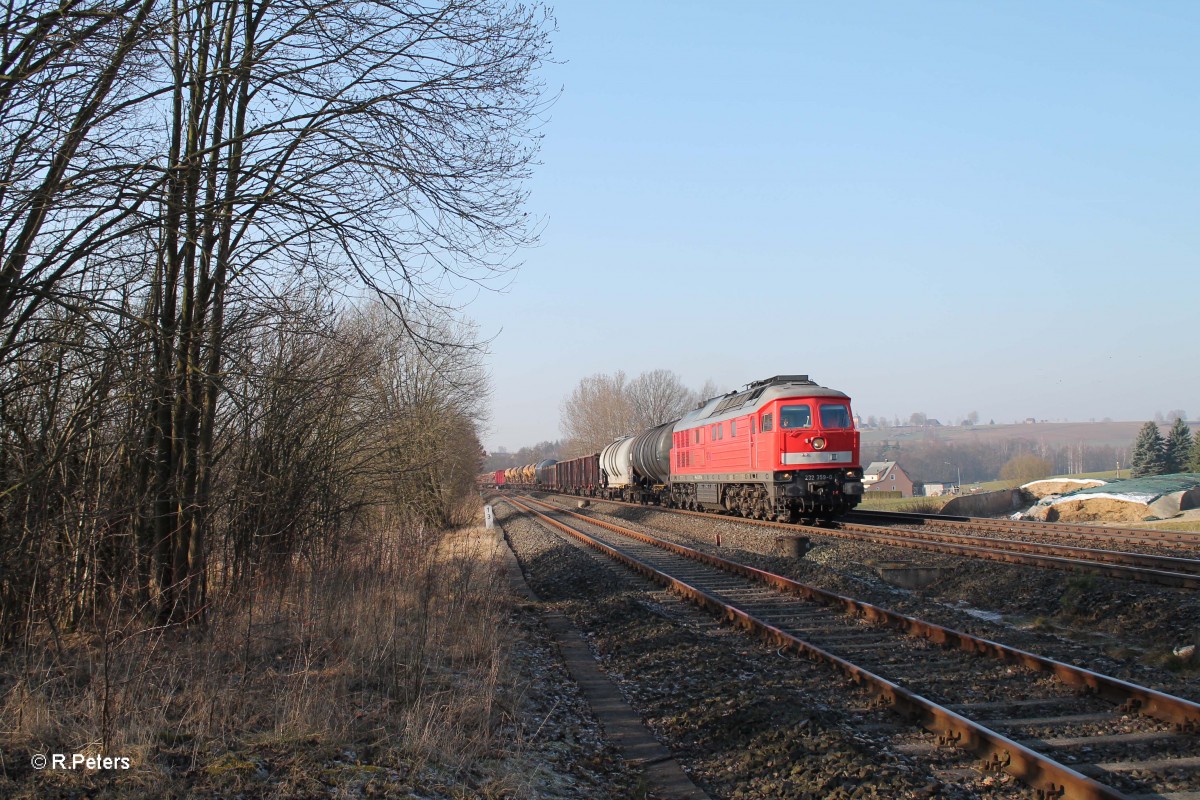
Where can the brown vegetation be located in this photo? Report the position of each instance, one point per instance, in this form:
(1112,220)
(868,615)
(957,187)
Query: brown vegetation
(365,669)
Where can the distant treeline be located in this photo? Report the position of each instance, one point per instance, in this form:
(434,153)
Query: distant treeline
(924,461)
(935,461)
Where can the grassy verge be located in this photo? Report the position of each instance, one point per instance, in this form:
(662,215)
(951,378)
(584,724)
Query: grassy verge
(367,676)
(916,505)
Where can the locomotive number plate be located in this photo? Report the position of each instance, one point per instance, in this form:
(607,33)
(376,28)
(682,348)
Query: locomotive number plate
(818,476)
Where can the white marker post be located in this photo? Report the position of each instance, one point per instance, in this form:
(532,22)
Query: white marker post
(489,520)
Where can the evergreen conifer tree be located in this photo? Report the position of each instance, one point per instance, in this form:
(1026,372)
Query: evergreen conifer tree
(1195,465)
(1178,450)
(1149,452)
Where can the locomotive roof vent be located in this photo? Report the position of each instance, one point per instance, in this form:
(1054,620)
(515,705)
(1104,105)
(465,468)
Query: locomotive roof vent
(738,399)
(782,379)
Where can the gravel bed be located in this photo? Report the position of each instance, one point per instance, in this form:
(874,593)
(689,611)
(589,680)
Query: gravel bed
(743,721)
(1118,628)
(556,750)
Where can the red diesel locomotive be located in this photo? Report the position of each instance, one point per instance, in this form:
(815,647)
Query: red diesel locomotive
(783,448)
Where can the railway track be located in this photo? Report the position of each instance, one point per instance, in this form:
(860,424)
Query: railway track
(1186,541)
(1163,570)
(1068,732)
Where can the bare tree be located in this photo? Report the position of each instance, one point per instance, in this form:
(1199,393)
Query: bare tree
(597,411)
(171,175)
(708,391)
(70,72)
(658,396)
(604,407)
(377,143)
(432,393)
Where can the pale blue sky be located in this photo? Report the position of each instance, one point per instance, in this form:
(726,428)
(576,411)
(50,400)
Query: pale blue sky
(933,206)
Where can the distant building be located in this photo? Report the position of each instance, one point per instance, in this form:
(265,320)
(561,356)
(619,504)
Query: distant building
(936,489)
(887,476)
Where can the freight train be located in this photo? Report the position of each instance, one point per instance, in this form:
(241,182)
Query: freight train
(783,448)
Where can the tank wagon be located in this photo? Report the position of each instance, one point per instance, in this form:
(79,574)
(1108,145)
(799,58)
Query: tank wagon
(531,476)
(783,448)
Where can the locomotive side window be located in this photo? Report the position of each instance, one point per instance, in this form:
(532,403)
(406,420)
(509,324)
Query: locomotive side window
(733,427)
(768,422)
(795,417)
(834,416)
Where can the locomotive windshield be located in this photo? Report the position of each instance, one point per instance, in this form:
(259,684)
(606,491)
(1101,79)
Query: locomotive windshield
(834,416)
(795,417)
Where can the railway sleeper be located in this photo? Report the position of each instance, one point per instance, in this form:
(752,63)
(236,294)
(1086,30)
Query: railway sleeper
(1108,739)
(1159,765)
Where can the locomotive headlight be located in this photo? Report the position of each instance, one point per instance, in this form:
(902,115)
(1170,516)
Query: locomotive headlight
(818,443)
(853,474)
(783,477)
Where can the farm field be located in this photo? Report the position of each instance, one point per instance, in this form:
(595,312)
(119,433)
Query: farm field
(1114,434)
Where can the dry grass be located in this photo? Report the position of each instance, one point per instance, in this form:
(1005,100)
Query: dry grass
(369,672)
(915,505)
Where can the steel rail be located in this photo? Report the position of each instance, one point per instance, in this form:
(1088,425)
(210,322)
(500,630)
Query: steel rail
(998,751)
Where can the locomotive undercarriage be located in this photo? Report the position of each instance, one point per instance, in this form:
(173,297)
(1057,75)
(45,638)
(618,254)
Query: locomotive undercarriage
(782,502)
(792,497)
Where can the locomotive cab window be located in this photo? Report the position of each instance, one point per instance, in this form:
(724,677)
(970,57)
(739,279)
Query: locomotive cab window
(795,417)
(834,415)
(768,422)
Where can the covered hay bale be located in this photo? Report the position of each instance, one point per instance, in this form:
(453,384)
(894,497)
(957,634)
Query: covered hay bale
(1098,509)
